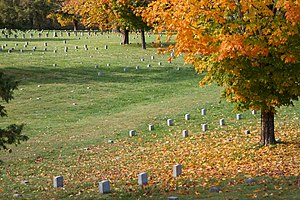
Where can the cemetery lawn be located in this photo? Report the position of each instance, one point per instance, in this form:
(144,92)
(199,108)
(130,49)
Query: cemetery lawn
(78,121)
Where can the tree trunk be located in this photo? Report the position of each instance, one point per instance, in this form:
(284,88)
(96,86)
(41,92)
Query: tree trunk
(143,39)
(125,36)
(75,24)
(267,135)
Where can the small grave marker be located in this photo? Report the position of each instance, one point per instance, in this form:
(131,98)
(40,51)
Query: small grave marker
(107,64)
(204,127)
(214,189)
(170,122)
(203,111)
(104,187)
(105,47)
(151,127)
(254,112)
(173,198)
(58,181)
(222,122)
(159,63)
(152,57)
(187,117)
(238,116)
(177,170)
(185,133)
(131,133)
(148,65)
(143,178)
(99,74)
(247,131)
(137,67)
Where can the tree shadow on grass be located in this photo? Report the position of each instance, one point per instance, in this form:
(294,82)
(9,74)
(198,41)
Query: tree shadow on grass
(87,75)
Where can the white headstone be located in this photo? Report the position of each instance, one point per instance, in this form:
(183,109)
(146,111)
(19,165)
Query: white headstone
(131,133)
(247,131)
(204,127)
(58,181)
(254,112)
(143,178)
(170,122)
(222,122)
(173,198)
(238,116)
(151,127)
(187,117)
(104,187)
(185,133)
(203,111)
(177,170)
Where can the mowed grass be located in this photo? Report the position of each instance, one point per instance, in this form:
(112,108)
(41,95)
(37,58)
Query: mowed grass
(70,113)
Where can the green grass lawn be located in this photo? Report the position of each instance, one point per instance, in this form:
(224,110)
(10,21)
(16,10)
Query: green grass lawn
(70,113)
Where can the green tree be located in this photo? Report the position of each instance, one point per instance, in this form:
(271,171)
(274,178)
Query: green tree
(24,14)
(251,48)
(112,14)
(13,133)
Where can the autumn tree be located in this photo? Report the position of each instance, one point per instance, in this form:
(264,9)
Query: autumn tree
(65,12)
(13,133)
(113,14)
(251,48)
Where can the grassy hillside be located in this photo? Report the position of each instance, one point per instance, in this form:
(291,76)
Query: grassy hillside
(72,114)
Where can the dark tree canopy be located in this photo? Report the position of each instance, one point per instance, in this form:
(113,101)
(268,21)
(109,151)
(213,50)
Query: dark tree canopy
(11,134)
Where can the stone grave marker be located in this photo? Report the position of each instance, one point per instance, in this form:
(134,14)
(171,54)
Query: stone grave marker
(45,44)
(105,47)
(203,111)
(170,122)
(45,49)
(125,70)
(104,187)
(177,170)
(99,74)
(238,116)
(66,50)
(173,198)
(131,133)
(159,63)
(58,181)
(204,127)
(185,133)
(143,178)
(247,132)
(137,67)
(96,66)
(142,59)
(107,64)
(148,65)
(222,122)
(151,127)
(254,112)
(214,189)
(54,34)
(187,117)
(152,57)
(76,47)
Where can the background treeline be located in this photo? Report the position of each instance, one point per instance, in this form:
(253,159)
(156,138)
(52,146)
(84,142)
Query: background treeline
(28,14)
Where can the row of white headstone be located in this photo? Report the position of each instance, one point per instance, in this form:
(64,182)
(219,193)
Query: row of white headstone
(104,186)
(170,122)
